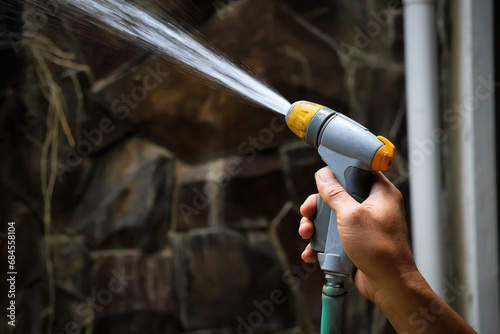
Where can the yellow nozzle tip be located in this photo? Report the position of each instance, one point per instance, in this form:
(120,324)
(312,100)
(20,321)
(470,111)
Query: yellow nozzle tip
(300,116)
(384,157)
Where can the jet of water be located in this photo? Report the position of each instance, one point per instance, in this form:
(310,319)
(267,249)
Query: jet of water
(168,37)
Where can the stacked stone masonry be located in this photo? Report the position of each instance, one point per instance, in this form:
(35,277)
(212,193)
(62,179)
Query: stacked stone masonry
(176,211)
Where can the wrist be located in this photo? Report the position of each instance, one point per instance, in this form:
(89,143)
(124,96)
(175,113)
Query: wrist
(407,304)
(395,289)
(402,298)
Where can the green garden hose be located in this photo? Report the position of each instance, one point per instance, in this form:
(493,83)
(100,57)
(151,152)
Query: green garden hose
(333,302)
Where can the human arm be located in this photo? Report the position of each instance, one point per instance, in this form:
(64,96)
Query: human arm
(375,237)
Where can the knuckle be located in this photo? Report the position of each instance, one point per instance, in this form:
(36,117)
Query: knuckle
(398,196)
(302,221)
(334,191)
(358,213)
(393,193)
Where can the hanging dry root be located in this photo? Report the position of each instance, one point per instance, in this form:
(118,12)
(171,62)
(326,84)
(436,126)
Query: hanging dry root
(44,52)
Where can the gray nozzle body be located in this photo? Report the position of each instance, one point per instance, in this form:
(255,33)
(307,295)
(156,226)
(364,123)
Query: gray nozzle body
(348,149)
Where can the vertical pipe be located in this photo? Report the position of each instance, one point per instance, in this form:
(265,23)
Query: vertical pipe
(423,125)
(475,202)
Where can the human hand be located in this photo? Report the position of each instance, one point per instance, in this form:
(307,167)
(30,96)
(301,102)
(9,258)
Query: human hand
(373,233)
(375,238)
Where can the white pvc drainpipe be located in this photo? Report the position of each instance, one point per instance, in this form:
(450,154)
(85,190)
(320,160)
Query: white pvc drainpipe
(422,123)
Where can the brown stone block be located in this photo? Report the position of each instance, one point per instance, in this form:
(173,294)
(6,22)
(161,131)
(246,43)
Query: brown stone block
(71,262)
(127,281)
(221,278)
(267,284)
(212,275)
(137,323)
(127,202)
(255,195)
(192,206)
(193,199)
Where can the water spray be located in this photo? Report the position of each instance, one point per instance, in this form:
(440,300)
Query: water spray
(163,35)
(352,153)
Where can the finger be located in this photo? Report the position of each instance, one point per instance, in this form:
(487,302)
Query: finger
(308,255)
(382,188)
(308,209)
(379,176)
(332,192)
(381,180)
(306,228)
(381,184)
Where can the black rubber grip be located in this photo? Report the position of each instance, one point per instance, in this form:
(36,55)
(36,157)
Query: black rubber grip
(358,183)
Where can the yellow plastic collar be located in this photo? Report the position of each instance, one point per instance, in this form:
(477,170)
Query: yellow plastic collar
(384,157)
(300,117)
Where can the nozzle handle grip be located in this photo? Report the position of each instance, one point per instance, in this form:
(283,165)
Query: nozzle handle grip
(357,179)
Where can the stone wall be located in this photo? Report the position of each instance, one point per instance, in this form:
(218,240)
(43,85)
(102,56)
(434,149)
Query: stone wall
(175,204)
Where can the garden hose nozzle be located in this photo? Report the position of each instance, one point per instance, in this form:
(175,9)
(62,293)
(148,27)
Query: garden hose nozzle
(352,153)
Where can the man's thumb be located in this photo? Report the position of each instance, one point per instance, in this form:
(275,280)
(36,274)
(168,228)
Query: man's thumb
(332,192)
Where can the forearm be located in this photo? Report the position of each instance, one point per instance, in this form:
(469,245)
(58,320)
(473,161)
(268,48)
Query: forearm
(412,307)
